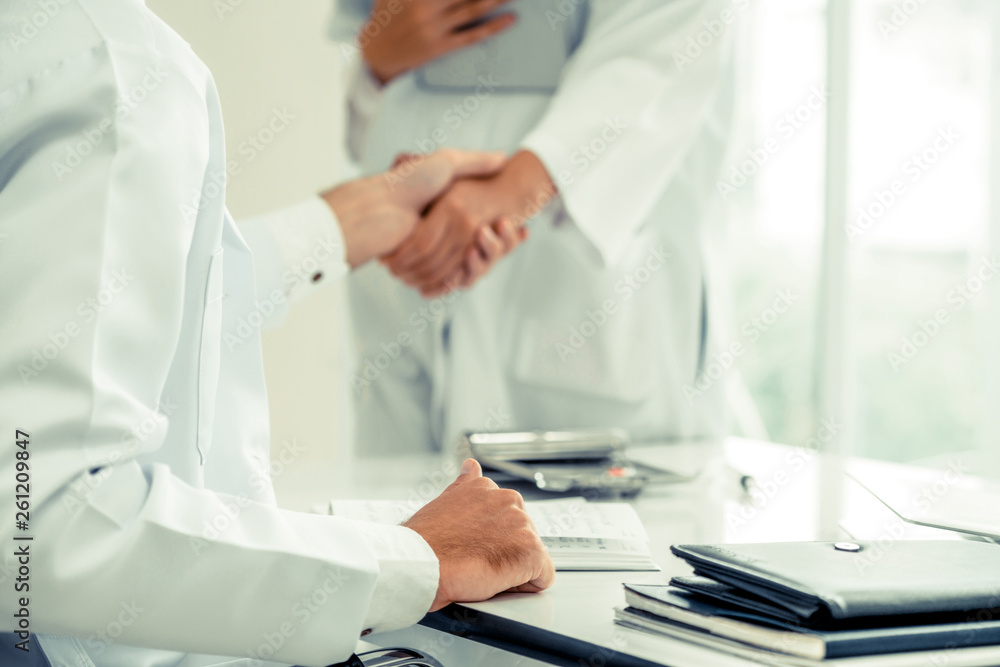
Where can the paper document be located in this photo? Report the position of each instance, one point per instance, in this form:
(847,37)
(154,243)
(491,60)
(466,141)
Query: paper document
(578,534)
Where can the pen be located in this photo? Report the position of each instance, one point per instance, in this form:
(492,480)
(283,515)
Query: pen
(746,480)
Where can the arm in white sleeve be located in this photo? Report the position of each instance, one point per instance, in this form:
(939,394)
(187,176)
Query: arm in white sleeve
(297,250)
(92,292)
(628,109)
(363,92)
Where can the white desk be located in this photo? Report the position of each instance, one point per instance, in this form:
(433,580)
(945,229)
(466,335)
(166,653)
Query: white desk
(571,624)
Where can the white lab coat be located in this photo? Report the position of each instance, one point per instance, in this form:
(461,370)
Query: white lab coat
(610,313)
(131,355)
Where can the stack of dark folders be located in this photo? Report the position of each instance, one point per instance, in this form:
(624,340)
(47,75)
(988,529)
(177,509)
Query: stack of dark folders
(796,603)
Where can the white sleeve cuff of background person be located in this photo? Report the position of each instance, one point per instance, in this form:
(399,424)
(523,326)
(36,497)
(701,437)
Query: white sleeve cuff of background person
(364,97)
(613,163)
(297,250)
(364,90)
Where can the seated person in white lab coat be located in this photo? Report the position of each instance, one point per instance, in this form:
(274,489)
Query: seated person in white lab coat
(615,115)
(132,397)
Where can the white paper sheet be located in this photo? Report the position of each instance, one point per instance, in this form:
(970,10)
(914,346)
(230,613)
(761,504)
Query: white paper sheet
(579,535)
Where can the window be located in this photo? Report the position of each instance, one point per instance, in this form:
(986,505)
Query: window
(923,282)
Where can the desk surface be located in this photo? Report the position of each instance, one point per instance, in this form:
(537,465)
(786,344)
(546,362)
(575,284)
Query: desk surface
(573,621)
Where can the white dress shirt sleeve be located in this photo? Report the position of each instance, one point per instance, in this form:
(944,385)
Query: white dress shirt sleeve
(407,579)
(628,109)
(297,250)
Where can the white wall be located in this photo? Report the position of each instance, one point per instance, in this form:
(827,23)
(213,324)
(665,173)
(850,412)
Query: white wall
(268,55)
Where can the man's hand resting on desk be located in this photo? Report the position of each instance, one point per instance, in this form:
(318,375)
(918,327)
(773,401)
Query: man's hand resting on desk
(484,540)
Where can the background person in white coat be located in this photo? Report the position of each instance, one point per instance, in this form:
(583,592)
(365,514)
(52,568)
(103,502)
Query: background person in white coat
(615,114)
(132,397)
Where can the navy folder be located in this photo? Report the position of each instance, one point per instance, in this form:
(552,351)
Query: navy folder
(825,600)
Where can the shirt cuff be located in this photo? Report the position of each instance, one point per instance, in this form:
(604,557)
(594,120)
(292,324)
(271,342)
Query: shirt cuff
(602,244)
(407,581)
(297,249)
(364,90)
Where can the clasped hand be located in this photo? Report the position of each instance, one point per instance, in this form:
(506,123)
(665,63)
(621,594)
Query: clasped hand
(440,222)
(479,217)
(468,229)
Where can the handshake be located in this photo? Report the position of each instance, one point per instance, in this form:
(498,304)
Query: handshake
(441,222)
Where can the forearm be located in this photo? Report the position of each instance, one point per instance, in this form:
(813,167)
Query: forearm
(529,185)
(201,572)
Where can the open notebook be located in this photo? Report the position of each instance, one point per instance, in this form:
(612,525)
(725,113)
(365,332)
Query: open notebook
(578,534)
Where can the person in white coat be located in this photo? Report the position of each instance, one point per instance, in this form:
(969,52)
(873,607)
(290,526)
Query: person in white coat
(135,447)
(615,114)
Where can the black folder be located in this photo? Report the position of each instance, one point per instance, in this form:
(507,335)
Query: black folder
(841,580)
(823,599)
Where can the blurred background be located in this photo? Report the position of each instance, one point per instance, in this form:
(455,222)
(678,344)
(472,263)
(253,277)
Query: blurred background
(923,147)
(923,369)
